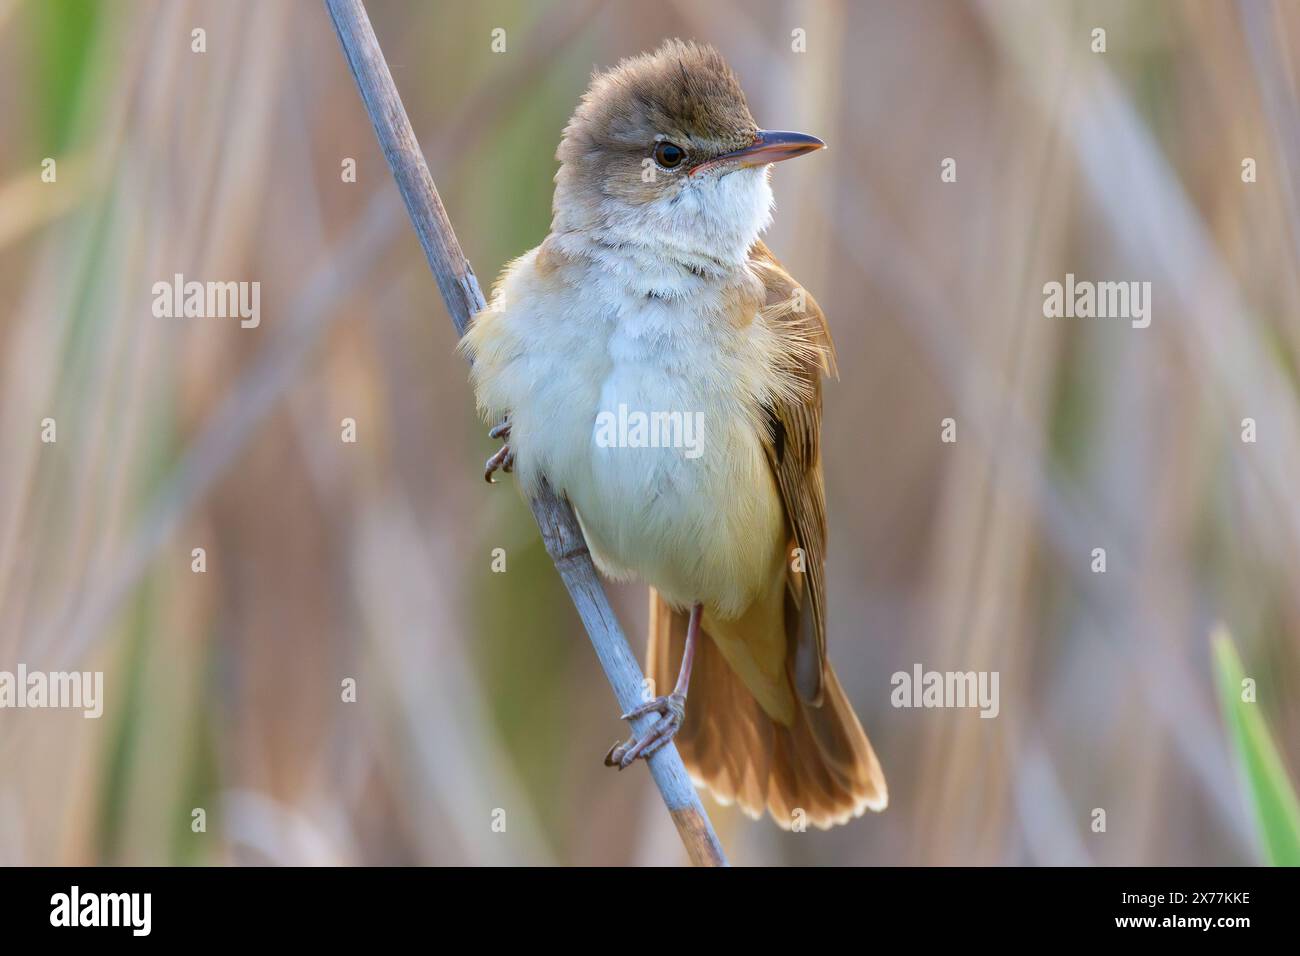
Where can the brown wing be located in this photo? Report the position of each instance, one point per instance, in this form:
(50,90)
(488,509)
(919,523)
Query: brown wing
(794,452)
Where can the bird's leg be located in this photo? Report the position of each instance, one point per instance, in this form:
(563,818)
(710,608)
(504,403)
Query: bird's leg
(505,457)
(671,709)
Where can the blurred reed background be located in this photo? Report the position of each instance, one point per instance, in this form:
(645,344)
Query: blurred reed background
(479,691)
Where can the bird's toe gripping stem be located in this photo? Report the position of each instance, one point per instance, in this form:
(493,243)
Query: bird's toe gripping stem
(504,459)
(671,710)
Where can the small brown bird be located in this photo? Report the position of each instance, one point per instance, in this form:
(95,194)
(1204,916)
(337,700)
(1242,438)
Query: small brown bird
(654,361)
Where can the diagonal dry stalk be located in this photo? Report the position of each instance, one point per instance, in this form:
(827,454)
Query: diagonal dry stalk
(560,532)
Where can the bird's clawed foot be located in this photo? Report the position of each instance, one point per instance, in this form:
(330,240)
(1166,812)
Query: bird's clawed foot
(505,457)
(671,710)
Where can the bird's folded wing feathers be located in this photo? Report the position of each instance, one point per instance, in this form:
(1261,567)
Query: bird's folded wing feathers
(793,448)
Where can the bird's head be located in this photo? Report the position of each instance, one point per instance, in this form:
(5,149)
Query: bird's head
(663,148)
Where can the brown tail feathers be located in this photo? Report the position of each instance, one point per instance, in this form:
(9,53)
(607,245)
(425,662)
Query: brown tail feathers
(821,765)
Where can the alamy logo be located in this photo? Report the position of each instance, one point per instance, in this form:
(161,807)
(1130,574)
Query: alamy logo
(923,688)
(64,690)
(208,300)
(659,429)
(1101,300)
(102,909)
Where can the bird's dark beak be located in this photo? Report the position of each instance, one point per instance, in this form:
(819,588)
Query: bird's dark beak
(769,146)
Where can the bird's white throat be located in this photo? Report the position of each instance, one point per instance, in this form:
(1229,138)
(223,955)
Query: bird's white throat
(706,226)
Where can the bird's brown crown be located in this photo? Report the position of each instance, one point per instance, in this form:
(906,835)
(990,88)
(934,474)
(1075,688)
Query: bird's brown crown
(683,92)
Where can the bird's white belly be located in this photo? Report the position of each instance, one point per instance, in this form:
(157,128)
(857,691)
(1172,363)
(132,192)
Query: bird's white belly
(665,469)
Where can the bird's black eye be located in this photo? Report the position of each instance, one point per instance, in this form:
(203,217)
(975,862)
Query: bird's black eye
(669,155)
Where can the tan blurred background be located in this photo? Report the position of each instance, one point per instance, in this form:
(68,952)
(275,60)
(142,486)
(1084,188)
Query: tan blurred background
(478,691)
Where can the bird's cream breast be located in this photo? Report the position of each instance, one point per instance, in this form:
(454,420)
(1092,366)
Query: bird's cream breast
(699,517)
(642,408)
